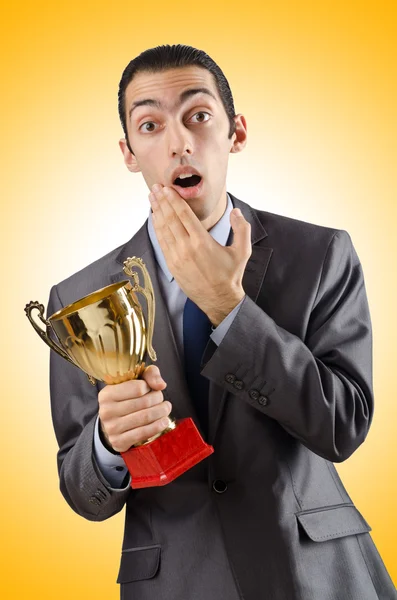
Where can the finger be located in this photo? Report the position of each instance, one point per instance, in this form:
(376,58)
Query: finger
(241,232)
(152,377)
(158,225)
(163,231)
(157,214)
(171,218)
(188,219)
(124,441)
(114,410)
(118,392)
(140,418)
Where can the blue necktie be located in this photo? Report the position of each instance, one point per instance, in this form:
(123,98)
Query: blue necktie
(196,333)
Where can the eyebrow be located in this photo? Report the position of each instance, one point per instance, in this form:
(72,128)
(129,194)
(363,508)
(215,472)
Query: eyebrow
(182,98)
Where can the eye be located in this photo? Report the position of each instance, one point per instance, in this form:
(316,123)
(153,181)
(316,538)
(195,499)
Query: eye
(147,127)
(202,117)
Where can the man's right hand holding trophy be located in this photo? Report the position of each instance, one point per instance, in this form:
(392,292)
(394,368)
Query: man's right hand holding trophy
(133,411)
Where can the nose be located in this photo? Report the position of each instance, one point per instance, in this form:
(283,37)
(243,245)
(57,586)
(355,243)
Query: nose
(179,140)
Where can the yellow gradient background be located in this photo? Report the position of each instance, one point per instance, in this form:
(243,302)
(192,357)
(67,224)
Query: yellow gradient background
(316,81)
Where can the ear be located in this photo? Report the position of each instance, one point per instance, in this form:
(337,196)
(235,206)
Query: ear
(239,137)
(129,159)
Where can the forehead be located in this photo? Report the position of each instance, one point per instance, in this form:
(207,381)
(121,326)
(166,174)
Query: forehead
(168,85)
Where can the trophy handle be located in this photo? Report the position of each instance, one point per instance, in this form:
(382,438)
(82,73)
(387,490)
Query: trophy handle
(45,334)
(147,291)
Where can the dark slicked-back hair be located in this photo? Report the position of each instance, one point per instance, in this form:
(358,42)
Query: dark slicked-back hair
(167,57)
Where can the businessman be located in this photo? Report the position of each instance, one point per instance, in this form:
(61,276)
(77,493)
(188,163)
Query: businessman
(263,337)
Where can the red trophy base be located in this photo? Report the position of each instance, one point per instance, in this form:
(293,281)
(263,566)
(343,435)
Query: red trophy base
(167,457)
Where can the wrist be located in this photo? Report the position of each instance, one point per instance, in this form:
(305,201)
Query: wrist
(104,440)
(223,308)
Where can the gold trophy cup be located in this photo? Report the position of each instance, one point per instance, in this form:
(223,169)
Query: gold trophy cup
(106,336)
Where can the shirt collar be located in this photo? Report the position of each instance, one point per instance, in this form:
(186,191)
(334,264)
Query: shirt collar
(220,233)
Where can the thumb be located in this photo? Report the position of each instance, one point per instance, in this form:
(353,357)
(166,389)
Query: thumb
(153,378)
(241,231)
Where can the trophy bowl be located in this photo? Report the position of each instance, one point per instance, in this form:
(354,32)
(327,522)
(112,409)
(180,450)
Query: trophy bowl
(105,334)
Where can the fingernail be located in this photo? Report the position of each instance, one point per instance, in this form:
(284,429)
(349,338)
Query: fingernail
(156,188)
(237,212)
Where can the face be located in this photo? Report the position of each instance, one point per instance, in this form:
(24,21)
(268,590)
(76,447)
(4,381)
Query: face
(177,126)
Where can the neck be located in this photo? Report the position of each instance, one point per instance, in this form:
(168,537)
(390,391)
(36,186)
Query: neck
(218,213)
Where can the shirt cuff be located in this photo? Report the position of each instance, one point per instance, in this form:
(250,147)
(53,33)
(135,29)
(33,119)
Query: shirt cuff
(112,466)
(219,332)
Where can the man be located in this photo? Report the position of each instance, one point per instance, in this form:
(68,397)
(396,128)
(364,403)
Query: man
(287,363)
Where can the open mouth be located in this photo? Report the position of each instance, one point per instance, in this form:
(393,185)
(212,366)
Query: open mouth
(190,181)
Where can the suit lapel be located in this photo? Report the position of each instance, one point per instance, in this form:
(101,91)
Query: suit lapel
(164,343)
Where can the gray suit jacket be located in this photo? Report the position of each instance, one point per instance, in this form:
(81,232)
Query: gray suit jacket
(266,516)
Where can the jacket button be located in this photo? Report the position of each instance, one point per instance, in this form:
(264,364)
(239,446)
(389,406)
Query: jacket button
(254,394)
(230,378)
(219,486)
(238,384)
(263,400)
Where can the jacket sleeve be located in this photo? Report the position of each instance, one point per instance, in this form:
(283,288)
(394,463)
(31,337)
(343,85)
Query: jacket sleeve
(74,407)
(320,388)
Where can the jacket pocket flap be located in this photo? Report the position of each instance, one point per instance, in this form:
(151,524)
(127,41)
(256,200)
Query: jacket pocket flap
(332,522)
(139,563)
